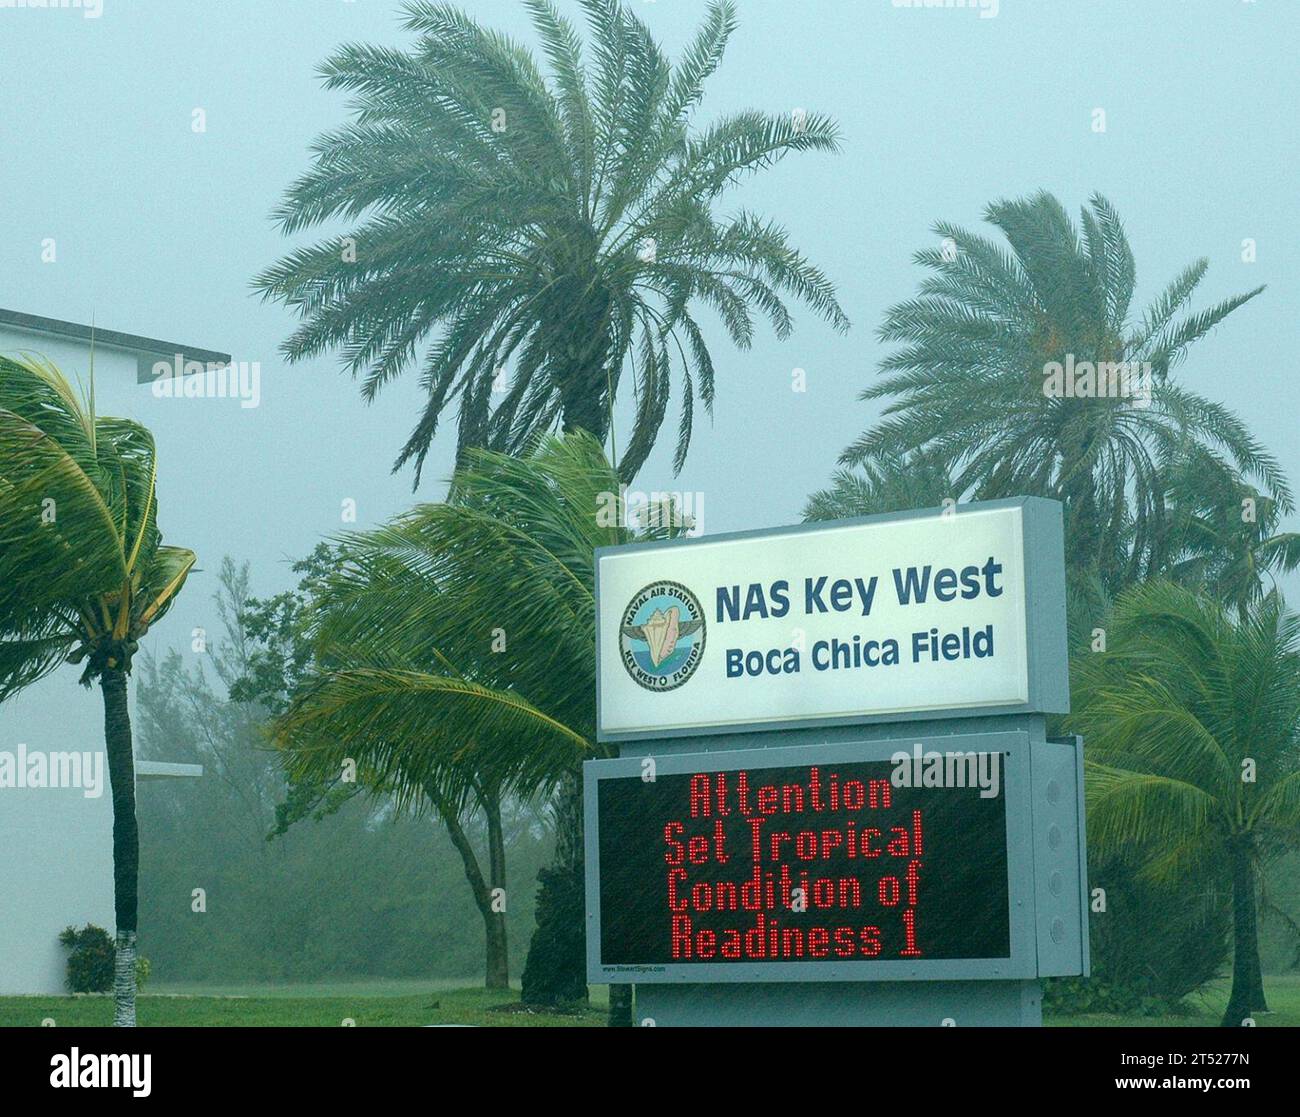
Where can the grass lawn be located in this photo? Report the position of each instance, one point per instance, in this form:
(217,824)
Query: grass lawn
(368,1003)
(1205,1009)
(386,1003)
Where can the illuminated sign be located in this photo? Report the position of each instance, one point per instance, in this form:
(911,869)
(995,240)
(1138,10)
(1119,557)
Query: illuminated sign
(795,864)
(902,859)
(886,618)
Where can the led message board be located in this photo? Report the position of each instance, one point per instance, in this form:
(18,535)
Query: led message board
(891,860)
(887,618)
(800,864)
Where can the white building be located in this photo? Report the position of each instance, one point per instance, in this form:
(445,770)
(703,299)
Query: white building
(56,851)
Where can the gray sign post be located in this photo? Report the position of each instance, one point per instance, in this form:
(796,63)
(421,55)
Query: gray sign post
(892,840)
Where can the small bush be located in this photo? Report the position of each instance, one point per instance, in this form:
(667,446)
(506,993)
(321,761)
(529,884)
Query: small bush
(90,959)
(91,954)
(1075,995)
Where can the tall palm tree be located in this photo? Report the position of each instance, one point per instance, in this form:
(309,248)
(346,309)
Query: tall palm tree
(1192,722)
(968,384)
(83,576)
(459,646)
(531,239)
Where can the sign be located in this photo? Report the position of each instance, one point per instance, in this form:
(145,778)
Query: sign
(885,618)
(902,859)
(800,864)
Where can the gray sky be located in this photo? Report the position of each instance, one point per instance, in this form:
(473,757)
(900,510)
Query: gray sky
(158,229)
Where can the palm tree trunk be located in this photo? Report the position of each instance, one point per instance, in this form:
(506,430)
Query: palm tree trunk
(1247,981)
(584,375)
(494,934)
(587,404)
(1083,521)
(498,953)
(126,841)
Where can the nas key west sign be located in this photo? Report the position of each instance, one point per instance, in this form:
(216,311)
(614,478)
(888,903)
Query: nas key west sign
(834,773)
(874,620)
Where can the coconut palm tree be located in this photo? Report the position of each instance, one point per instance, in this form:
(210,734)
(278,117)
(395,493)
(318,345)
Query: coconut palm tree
(459,648)
(970,383)
(1192,723)
(83,576)
(529,240)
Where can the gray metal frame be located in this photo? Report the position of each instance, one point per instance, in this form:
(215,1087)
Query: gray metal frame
(1046,647)
(1016,776)
(1085,895)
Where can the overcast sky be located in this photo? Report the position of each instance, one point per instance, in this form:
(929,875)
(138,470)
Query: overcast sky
(159,228)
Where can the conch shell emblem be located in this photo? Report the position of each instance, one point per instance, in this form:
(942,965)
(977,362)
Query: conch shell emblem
(660,632)
(663,631)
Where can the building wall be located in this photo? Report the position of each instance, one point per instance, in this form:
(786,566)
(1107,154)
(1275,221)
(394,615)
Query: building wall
(56,854)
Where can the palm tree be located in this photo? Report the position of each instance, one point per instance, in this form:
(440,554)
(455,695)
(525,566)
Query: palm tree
(83,576)
(287,657)
(1193,721)
(1226,536)
(968,385)
(459,647)
(889,483)
(537,238)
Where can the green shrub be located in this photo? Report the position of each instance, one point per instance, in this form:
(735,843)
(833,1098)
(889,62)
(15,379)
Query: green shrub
(91,954)
(1074,995)
(1153,945)
(90,959)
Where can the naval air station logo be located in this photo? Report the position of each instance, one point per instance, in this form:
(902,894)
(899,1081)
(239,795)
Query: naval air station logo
(661,639)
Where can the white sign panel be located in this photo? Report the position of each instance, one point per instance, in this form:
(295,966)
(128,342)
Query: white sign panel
(847,621)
